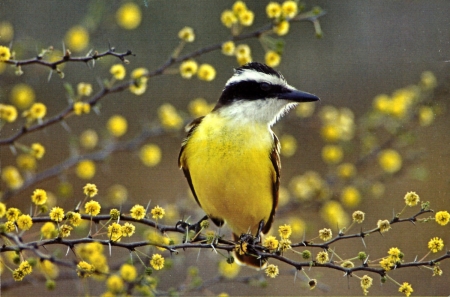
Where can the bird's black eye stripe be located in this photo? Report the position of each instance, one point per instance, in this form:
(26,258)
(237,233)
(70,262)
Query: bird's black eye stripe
(266,87)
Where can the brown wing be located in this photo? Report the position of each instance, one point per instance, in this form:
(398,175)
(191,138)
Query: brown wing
(190,128)
(275,158)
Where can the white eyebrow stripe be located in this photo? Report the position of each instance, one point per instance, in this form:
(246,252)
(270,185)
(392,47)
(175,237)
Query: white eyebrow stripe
(257,76)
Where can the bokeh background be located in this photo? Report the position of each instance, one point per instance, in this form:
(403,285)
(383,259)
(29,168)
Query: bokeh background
(368,48)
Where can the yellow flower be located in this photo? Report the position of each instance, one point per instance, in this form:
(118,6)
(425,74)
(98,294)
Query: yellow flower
(382,103)
(36,112)
(239,7)
(157,262)
(186,34)
(89,139)
(270,242)
(358,216)
(64,230)
(333,213)
(48,230)
(157,212)
(350,197)
(22,96)
(150,155)
(325,234)
(305,109)
(188,69)
(6,31)
(272,271)
(84,89)
(272,59)
(117,194)
(246,18)
(366,282)
(84,269)
(118,71)
(395,254)
(39,197)
(285,244)
(384,225)
(442,217)
(2,209)
(37,150)
(332,154)
(12,214)
(5,53)
(426,116)
(24,222)
(129,16)
(289,8)
(90,190)
(282,28)
(49,269)
(228,18)
(74,218)
(77,38)
(243,60)
(92,208)
(169,117)
(26,267)
(12,177)
(428,80)
(8,113)
(285,231)
(117,125)
(199,107)
(114,214)
(26,162)
(411,199)
(273,10)
(10,226)
(81,107)
(128,272)
(137,212)
(115,285)
(114,232)
(437,271)
(322,257)
(346,170)
(228,270)
(128,229)
(140,81)
(206,72)
(139,73)
(228,48)
(56,214)
(436,244)
(406,289)
(85,169)
(243,50)
(390,160)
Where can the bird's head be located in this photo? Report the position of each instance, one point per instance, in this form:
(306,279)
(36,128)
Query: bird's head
(258,93)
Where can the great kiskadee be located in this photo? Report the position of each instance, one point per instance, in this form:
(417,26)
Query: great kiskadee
(230,157)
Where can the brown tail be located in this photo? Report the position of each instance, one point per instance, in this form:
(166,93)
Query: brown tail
(247,259)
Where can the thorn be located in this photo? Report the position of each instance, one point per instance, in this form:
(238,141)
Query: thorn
(77,208)
(64,47)
(68,249)
(49,75)
(412,221)
(109,243)
(364,243)
(89,53)
(148,205)
(66,126)
(13,149)
(198,255)
(415,259)
(366,260)
(214,248)
(295,275)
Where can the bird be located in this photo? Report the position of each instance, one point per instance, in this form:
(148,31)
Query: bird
(231,157)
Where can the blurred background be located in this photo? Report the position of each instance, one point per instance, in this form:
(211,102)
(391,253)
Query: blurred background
(367,49)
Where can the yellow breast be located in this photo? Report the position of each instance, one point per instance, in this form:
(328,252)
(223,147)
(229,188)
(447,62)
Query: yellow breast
(231,171)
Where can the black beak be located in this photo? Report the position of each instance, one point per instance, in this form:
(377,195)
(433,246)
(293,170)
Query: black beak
(298,96)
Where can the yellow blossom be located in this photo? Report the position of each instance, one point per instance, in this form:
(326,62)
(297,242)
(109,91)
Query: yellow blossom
(26,267)
(228,270)
(411,199)
(10,226)
(239,7)
(428,80)
(285,244)
(426,116)
(85,169)
(118,71)
(114,232)
(243,60)
(270,242)
(137,212)
(282,28)
(157,262)
(128,229)
(37,150)
(129,16)
(22,96)
(150,155)
(246,18)
(12,214)
(346,170)
(84,89)
(406,289)
(289,8)
(305,109)
(199,107)
(272,59)
(77,38)
(117,194)
(157,212)
(2,209)
(228,18)
(358,216)
(26,162)
(84,269)
(18,274)
(390,160)
(272,271)
(333,213)
(56,214)
(74,218)
(228,48)
(384,225)
(285,231)
(6,31)
(128,272)
(48,230)
(325,234)
(366,283)
(37,111)
(187,34)
(206,72)
(5,53)
(12,177)
(395,254)
(48,269)
(8,113)
(117,125)
(442,217)
(169,117)
(243,50)
(89,139)
(332,154)
(436,244)
(81,107)
(322,257)
(90,190)
(188,69)
(24,222)
(273,10)
(437,270)
(350,196)
(64,230)
(92,208)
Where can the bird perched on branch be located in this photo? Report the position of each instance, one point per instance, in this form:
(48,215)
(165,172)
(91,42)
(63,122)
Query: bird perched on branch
(230,157)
